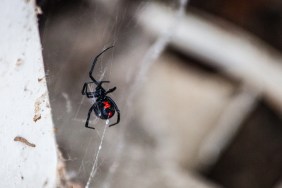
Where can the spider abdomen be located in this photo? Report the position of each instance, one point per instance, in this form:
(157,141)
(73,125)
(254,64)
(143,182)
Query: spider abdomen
(104,109)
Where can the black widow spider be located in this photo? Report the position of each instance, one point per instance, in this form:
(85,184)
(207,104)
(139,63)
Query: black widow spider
(104,107)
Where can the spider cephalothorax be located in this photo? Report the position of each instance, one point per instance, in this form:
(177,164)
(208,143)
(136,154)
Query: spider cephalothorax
(104,107)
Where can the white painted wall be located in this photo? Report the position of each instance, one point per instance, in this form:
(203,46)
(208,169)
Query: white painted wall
(24,98)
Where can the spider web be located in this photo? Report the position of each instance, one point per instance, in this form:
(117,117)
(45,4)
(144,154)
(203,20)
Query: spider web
(83,147)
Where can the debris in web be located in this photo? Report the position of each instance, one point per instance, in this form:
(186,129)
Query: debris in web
(68,102)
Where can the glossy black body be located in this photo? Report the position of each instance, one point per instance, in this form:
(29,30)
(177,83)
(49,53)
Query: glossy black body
(104,109)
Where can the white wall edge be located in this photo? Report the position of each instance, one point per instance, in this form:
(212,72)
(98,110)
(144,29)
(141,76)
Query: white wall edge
(25,108)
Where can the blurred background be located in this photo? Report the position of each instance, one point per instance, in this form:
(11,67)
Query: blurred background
(199,86)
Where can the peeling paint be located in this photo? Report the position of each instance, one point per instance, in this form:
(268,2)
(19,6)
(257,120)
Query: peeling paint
(23,140)
(37,107)
(19,62)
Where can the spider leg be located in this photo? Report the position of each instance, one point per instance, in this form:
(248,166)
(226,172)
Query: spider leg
(85,91)
(93,65)
(117,110)
(101,82)
(88,117)
(111,90)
